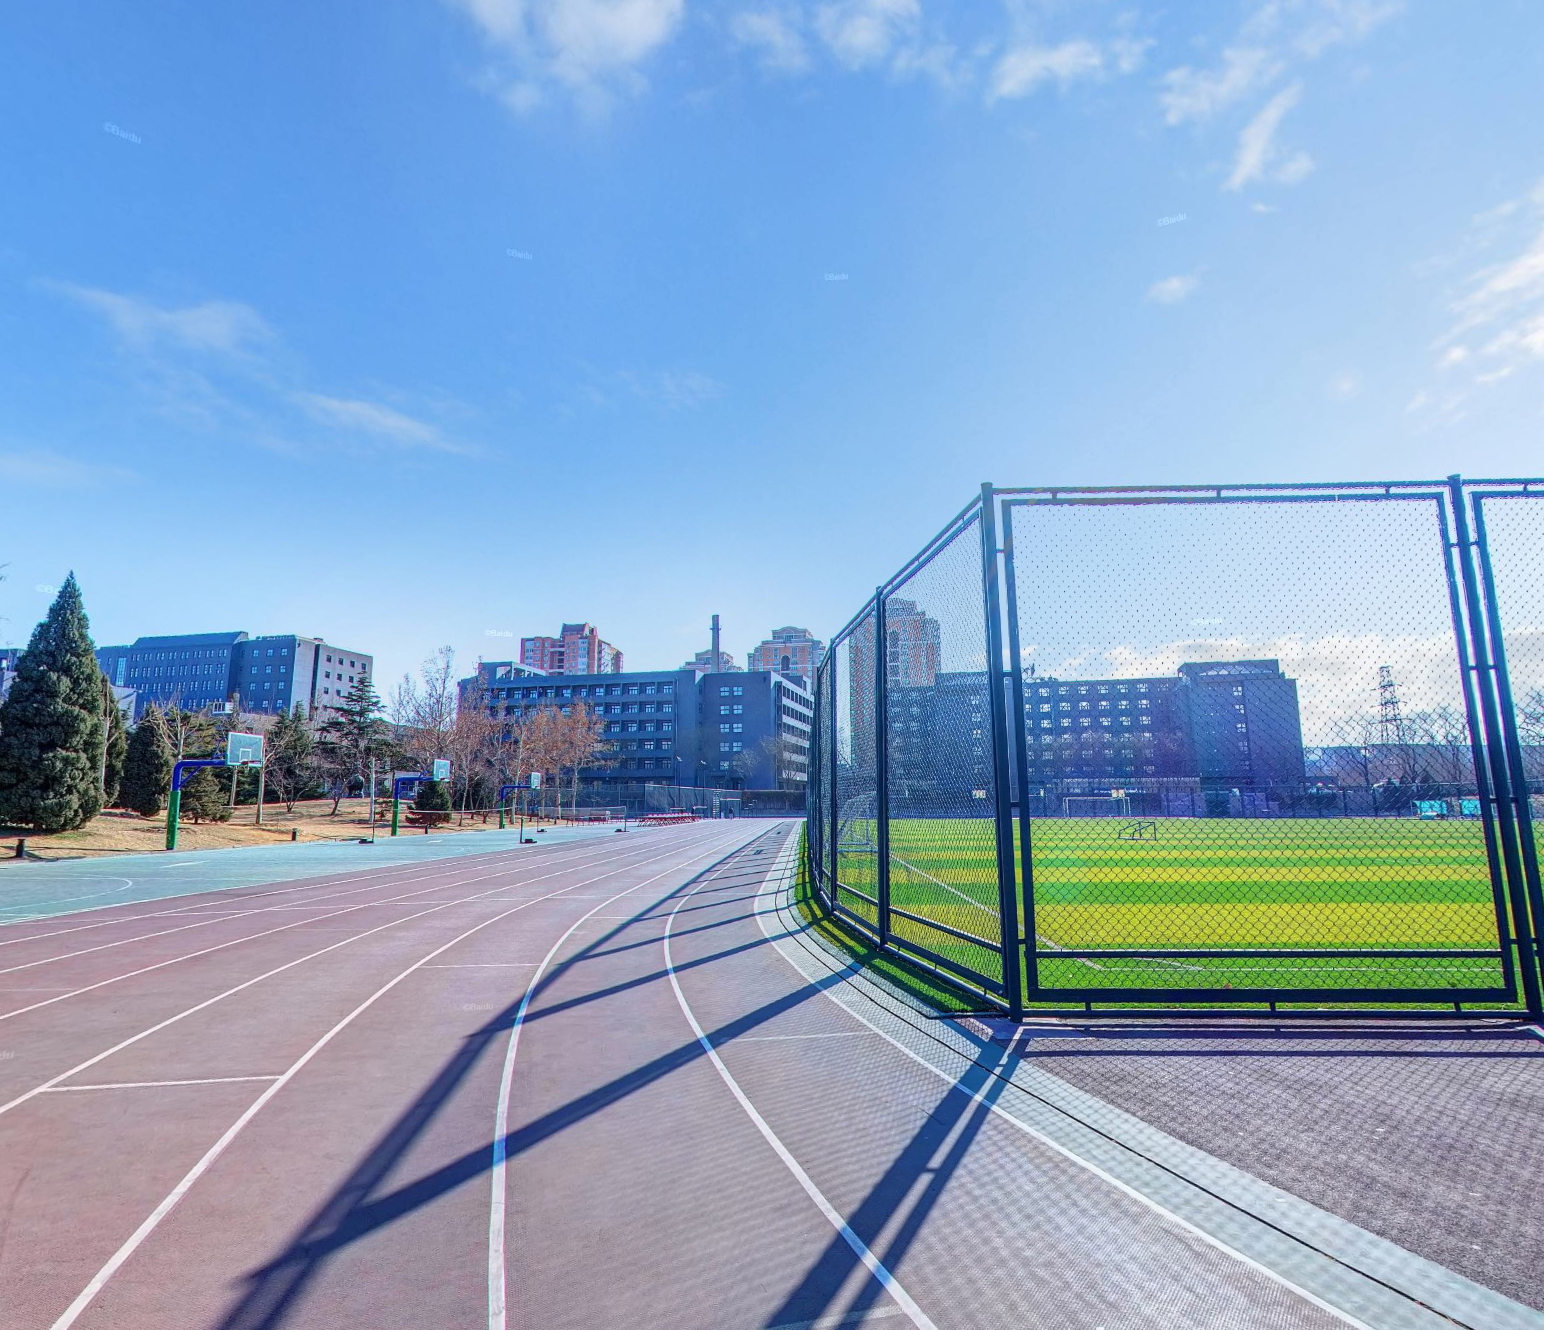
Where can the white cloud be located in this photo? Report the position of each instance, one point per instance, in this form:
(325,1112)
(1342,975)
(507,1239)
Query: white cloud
(216,325)
(677,390)
(1257,148)
(1192,94)
(1346,384)
(372,418)
(862,33)
(591,46)
(775,34)
(1171,290)
(1024,68)
(1498,324)
(38,468)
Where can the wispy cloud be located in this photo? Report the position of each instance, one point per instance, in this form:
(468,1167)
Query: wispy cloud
(1278,37)
(219,366)
(41,469)
(225,326)
(676,390)
(775,35)
(593,48)
(1023,69)
(1498,317)
(383,422)
(1259,157)
(1171,290)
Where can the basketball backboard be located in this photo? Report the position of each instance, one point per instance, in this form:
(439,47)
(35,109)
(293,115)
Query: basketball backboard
(243,750)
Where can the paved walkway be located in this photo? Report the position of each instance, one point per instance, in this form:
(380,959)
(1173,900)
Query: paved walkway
(604,1084)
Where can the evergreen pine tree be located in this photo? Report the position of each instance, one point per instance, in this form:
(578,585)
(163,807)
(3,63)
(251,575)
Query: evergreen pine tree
(433,802)
(205,798)
(52,735)
(147,769)
(117,746)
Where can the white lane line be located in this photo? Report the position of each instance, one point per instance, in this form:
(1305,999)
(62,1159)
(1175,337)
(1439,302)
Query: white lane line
(846,1318)
(153,1085)
(485,965)
(269,932)
(115,1262)
(860,1249)
(782,875)
(830,1034)
(229,992)
(497,1274)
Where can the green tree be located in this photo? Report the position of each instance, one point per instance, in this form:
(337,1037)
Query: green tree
(147,768)
(52,736)
(351,736)
(289,759)
(433,802)
(205,798)
(117,746)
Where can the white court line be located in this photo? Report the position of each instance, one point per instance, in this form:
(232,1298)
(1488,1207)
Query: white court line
(269,932)
(485,965)
(860,1249)
(782,874)
(150,1085)
(114,1263)
(497,1275)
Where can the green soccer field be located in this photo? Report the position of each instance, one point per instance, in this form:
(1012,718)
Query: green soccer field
(1197,883)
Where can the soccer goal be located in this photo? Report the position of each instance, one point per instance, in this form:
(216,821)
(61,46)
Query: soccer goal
(1096,805)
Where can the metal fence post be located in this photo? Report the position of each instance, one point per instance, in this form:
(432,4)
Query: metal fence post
(1007,906)
(1495,754)
(1522,804)
(833,807)
(882,767)
(1021,738)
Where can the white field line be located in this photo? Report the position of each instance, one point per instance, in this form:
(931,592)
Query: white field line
(498,1311)
(859,1248)
(1039,937)
(468,861)
(269,932)
(241,987)
(777,881)
(115,1262)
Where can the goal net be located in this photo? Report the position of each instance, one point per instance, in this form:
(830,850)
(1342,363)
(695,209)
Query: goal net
(1096,805)
(593,815)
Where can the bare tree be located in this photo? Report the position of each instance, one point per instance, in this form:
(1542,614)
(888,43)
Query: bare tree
(583,744)
(424,709)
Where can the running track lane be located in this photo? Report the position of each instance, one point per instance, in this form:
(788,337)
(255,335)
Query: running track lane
(168,1133)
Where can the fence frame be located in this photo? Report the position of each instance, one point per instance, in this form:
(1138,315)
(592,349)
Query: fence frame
(1495,747)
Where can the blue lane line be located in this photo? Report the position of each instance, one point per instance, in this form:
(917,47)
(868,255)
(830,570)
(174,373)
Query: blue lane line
(39,891)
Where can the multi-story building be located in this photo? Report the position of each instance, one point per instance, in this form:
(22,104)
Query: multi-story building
(789,651)
(719,729)
(1212,725)
(8,658)
(577,649)
(265,675)
(711,662)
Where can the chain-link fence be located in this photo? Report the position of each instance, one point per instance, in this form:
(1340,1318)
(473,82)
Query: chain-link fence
(1236,747)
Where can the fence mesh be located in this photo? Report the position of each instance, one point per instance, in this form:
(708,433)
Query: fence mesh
(1247,732)
(1258,739)
(857,768)
(941,800)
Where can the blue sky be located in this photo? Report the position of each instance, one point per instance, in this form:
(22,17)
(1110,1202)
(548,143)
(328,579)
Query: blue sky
(417,322)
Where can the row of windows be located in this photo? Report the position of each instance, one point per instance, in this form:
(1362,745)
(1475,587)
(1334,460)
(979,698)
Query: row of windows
(1084,689)
(566,692)
(735,710)
(735,690)
(635,726)
(1086,721)
(1142,705)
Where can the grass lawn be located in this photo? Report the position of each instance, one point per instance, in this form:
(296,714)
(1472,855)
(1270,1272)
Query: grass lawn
(1363,883)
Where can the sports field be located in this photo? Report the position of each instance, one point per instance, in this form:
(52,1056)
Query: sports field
(1182,883)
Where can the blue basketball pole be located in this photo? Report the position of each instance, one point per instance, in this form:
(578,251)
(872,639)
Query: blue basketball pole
(174,801)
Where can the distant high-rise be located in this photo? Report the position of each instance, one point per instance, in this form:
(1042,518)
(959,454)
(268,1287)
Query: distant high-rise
(577,649)
(713,660)
(790,651)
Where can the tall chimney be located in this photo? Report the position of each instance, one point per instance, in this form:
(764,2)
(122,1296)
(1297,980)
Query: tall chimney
(714,658)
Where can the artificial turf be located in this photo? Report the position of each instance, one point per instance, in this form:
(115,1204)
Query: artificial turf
(1376,884)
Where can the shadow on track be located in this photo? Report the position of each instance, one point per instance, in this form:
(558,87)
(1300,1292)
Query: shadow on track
(353,1212)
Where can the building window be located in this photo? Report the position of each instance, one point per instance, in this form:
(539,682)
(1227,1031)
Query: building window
(724,728)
